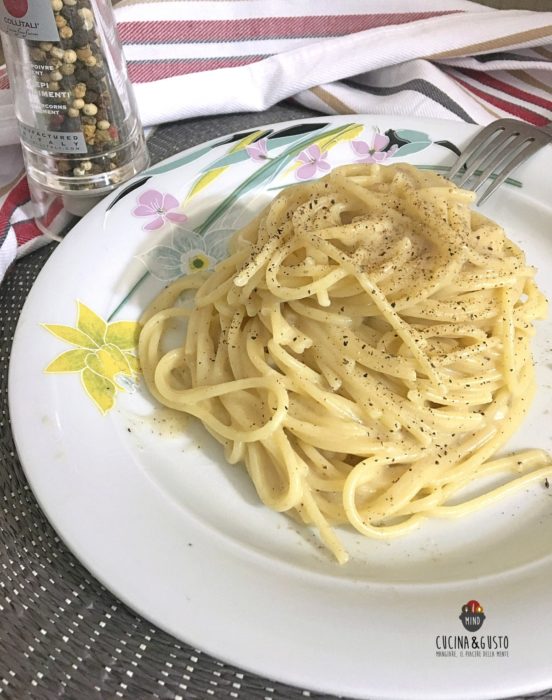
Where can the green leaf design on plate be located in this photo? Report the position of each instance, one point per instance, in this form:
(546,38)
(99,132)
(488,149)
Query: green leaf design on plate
(413,147)
(236,154)
(189,158)
(123,334)
(348,133)
(90,323)
(99,389)
(410,135)
(268,171)
(195,155)
(70,361)
(71,335)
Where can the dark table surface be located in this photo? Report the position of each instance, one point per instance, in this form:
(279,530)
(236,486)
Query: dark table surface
(62,634)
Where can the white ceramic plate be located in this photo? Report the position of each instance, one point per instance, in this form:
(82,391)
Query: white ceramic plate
(152,509)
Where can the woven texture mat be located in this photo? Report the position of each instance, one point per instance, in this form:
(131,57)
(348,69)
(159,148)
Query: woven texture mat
(62,634)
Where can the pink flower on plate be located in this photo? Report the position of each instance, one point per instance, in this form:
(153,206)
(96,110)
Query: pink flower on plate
(258,151)
(313,160)
(159,206)
(374,152)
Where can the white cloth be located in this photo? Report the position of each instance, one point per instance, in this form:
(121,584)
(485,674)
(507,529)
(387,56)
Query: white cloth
(453,60)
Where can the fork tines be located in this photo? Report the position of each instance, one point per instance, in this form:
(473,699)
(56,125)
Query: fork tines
(495,152)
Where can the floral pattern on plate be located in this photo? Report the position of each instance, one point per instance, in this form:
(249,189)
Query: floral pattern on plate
(159,208)
(103,355)
(186,253)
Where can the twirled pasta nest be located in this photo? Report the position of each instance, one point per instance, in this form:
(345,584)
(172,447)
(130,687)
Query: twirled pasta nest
(365,350)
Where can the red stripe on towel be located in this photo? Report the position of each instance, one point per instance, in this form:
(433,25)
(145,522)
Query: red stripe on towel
(234,30)
(149,71)
(518,111)
(26,231)
(512,90)
(17,196)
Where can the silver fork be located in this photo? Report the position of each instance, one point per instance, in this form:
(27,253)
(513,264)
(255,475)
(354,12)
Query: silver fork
(498,149)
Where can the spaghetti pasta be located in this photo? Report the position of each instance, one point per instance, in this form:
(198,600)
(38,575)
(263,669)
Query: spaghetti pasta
(365,350)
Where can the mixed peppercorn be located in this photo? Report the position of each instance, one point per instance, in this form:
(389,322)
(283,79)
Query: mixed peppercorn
(75,88)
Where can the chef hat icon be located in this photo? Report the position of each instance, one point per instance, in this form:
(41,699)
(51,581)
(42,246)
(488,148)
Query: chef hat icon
(472,606)
(472,615)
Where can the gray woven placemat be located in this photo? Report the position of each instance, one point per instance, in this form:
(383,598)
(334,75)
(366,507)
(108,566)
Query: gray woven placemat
(62,634)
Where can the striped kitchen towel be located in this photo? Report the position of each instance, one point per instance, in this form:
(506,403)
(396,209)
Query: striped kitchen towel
(450,59)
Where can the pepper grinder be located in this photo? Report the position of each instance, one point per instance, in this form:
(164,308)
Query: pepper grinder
(78,121)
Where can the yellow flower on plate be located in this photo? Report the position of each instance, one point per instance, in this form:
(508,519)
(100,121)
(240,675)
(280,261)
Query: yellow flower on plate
(103,354)
(196,261)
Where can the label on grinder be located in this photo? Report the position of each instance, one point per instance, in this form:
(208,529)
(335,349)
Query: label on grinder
(32,20)
(53,141)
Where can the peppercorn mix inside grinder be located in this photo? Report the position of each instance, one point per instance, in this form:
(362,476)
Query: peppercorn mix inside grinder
(77,117)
